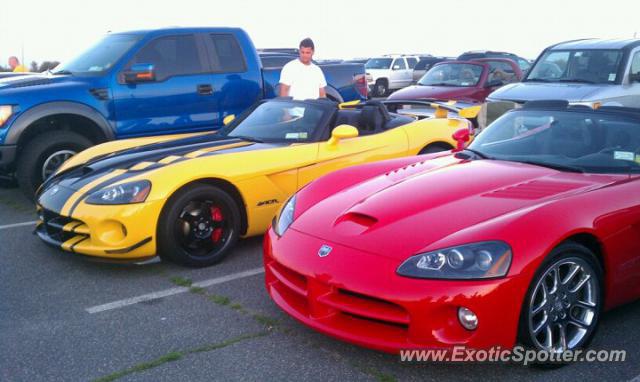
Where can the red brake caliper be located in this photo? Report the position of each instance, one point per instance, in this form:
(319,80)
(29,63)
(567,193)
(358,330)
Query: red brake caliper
(216,215)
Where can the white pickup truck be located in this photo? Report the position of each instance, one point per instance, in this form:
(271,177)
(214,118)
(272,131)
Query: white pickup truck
(592,70)
(387,73)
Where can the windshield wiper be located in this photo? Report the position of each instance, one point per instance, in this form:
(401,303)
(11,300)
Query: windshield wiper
(579,80)
(555,166)
(61,72)
(438,84)
(465,154)
(479,154)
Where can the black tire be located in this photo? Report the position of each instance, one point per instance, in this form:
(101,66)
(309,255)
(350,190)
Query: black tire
(381,88)
(435,148)
(37,152)
(198,248)
(564,255)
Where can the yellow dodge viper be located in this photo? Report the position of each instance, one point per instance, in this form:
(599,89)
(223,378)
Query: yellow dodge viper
(188,198)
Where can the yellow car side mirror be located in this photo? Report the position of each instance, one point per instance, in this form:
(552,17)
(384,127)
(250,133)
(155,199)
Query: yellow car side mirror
(228,119)
(342,132)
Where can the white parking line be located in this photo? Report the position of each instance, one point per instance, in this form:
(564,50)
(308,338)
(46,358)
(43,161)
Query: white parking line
(18,225)
(173,291)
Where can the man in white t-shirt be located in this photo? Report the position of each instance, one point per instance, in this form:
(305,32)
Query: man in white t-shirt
(301,78)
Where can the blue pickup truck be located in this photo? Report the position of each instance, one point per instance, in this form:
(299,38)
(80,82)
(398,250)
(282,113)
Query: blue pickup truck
(134,84)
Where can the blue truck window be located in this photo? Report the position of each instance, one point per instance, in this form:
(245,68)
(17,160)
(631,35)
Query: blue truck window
(101,56)
(227,56)
(171,56)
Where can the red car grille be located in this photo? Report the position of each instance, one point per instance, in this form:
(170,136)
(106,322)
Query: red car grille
(316,299)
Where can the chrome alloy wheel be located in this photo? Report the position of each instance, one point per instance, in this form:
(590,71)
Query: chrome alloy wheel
(564,305)
(54,161)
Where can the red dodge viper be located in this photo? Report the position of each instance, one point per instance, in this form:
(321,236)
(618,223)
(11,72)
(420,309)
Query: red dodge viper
(525,237)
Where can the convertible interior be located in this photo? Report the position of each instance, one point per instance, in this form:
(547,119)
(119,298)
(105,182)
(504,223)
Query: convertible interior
(370,118)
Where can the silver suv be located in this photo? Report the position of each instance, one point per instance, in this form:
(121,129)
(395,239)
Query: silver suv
(593,70)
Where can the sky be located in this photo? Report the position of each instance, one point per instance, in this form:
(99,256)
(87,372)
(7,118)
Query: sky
(58,30)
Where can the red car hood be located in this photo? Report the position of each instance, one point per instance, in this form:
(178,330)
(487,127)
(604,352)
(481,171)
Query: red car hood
(400,213)
(437,92)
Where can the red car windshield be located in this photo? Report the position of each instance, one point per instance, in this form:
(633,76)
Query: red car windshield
(461,75)
(576,141)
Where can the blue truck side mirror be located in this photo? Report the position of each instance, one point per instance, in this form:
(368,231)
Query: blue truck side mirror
(140,73)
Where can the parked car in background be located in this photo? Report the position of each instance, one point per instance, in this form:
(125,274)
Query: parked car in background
(425,64)
(467,81)
(271,60)
(387,73)
(293,51)
(138,83)
(592,70)
(357,61)
(523,63)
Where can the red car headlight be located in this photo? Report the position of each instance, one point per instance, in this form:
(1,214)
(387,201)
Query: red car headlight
(484,260)
(285,218)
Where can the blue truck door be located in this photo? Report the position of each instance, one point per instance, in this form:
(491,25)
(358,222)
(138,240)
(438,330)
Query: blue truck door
(180,99)
(237,81)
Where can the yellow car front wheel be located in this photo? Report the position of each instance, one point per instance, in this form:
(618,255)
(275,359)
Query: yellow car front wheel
(198,226)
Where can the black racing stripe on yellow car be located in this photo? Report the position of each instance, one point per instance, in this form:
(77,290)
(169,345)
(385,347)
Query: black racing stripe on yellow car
(129,174)
(55,201)
(79,177)
(132,173)
(73,229)
(128,249)
(73,246)
(130,158)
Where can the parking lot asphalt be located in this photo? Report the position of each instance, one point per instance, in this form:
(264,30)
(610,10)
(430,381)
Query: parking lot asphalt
(66,319)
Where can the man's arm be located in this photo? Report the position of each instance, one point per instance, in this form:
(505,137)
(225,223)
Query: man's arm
(285,80)
(322,82)
(284,90)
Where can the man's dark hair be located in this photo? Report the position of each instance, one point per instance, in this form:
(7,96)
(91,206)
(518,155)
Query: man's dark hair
(307,43)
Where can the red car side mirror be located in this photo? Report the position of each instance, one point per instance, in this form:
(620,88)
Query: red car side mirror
(461,136)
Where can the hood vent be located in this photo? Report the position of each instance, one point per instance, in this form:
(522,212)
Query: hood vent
(533,190)
(354,223)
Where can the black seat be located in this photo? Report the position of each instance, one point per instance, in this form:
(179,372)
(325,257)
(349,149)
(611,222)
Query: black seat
(348,117)
(373,117)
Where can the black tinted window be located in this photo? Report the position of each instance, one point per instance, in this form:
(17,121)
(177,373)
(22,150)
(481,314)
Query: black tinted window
(275,62)
(591,66)
(422,65)
(591,142)
(635,64)
(171,56)
(399,63)
(226,56)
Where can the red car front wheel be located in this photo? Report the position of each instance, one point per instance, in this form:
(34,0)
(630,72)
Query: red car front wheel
(564,302)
